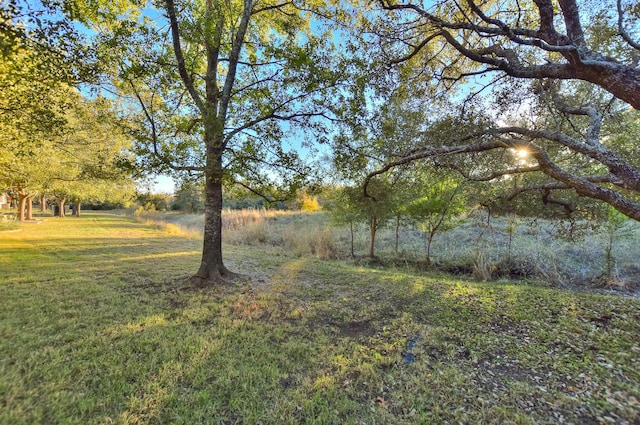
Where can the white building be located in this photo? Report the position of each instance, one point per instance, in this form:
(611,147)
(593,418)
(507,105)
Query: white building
(4,200)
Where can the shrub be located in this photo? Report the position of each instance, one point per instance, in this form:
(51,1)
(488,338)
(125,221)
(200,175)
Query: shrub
(8,222)
(308,203)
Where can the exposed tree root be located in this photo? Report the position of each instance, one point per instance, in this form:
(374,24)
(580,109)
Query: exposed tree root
(223,277)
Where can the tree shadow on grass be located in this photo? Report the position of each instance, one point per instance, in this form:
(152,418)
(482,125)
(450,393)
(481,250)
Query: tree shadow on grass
(111,338)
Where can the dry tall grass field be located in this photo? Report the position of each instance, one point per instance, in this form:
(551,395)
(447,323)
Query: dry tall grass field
(484,249)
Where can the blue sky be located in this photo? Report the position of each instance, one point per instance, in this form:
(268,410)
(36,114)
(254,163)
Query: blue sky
(163,184)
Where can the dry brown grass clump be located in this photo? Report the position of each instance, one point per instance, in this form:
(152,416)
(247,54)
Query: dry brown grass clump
(318,242)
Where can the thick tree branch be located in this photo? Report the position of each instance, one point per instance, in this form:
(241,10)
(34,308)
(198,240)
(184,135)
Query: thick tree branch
(572,22)
(622,174)
(623,33)
(593,130)
(520,36)
(236,48)
(587,188)
(491,176)
(580,62)
(617,165)
(212,43)
(177,48)
(514,33)
(545,10)
(548,199)
(551,186)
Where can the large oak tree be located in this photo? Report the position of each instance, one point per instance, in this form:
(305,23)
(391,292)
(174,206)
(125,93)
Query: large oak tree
(219,85)
(573,117)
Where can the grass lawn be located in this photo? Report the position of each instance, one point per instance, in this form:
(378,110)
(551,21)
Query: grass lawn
(97,328)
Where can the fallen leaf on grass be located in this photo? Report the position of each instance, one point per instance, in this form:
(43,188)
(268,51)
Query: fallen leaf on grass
(382,402)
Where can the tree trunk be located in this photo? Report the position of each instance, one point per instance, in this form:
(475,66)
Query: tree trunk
(353,251)
(397,233)
(374,228)
(511,229)
(22,202)
(77,212)
(61,207)
(429,240)
(29,208)
(43,203)
(610,260)
(212,269)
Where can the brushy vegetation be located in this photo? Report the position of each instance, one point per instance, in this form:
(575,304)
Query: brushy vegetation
(484,248)
(98,327)
(8,222)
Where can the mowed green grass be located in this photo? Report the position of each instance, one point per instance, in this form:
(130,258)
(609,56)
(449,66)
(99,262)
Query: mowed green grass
(97,327)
